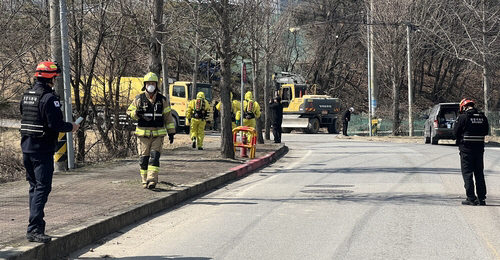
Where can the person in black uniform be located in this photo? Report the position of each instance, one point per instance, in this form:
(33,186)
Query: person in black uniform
(41,122)
(277,109)
(216,121)
(346,117)
(469,130)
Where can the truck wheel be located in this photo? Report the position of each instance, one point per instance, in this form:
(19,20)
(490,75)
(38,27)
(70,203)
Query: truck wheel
(427,138)
(313,126)
(176,124)
(334,127)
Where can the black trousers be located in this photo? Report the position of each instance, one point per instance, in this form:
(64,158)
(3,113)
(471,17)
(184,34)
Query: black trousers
(277,132)
(473,168)
(39,172)
(344,127)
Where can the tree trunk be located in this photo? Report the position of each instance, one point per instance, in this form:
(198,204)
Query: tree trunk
(227,148)
(395,103)
(156,37)
(266,98)
(255,80)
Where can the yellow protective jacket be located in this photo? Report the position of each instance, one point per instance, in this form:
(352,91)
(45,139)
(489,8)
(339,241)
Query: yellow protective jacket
(235,107)
(168,120)
(256,106)
(192,106)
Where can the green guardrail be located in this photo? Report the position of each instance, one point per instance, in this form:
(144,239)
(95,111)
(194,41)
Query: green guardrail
(359,126)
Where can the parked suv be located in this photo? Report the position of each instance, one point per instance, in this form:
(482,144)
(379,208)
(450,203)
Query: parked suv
(439,123)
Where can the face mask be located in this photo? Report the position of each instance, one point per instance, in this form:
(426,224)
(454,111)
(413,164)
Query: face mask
(150,88)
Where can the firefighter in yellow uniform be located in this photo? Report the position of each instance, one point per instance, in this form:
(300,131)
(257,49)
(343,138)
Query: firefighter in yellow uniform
(155,120)
(235,108)
(196,114)
(251,111)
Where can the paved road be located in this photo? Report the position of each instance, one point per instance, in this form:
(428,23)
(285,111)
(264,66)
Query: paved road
(328,199)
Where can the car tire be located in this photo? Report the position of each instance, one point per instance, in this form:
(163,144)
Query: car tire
(427,139)
(434,140)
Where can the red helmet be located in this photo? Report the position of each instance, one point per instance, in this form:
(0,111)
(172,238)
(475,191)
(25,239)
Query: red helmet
(465,102)
(47,69)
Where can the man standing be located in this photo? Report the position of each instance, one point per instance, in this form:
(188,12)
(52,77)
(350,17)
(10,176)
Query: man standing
(154,121)
(469,130)
(41,122)
(345,120)
(196,114)
(216,121)
(277,108)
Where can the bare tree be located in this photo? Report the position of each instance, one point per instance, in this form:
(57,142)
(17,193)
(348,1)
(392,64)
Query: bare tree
(470,31)
(227,30)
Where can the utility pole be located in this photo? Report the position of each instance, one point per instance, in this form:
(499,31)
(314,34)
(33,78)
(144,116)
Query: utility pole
(67,87)
(60,161)
(243,74)
(410,85)
(369,73)
(372,79)
(373,71)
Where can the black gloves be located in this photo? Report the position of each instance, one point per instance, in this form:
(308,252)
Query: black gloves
(171,137)
(140,112)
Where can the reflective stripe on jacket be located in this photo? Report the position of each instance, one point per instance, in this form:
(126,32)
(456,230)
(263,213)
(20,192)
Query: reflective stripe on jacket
(168,127)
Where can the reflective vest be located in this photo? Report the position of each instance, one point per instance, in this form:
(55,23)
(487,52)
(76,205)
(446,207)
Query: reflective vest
(249,110)
(153,117)
(475,128)
(31,122)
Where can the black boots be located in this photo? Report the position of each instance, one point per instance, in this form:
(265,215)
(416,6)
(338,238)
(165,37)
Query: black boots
(38,237)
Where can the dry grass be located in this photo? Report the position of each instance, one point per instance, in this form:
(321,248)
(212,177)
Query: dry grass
(11,166)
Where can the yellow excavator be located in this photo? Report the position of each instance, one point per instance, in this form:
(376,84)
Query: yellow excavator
(302,108)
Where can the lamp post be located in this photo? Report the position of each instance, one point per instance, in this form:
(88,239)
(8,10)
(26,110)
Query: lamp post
(409,28)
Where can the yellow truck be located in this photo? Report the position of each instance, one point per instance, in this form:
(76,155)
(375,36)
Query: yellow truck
(179,96)
(302,108)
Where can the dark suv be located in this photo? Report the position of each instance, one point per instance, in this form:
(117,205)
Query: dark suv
(439,123)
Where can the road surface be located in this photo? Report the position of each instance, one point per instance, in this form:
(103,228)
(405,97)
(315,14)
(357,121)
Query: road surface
(328,199)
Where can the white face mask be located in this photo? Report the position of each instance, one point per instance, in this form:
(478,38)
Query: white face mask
(150,88)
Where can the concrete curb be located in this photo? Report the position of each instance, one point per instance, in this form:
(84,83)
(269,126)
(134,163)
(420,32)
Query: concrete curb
(71,240)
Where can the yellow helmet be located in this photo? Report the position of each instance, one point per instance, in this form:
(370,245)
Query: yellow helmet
(150,77)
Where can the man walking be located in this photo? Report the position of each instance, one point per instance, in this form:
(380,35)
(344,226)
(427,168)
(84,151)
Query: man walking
(196,114)
(41,122)
(469,130)
(345,120)
(154,121)
(277,109)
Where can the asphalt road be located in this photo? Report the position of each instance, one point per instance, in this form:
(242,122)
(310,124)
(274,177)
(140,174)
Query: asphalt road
(328,199)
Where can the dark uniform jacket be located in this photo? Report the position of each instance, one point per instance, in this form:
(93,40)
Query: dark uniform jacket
(347,116)
(469,130)
(52,119)
(277,110)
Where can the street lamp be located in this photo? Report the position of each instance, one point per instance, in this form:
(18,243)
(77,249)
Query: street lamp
(409,28)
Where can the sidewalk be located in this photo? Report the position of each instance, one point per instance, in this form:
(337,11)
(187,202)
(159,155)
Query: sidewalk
(92,202)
